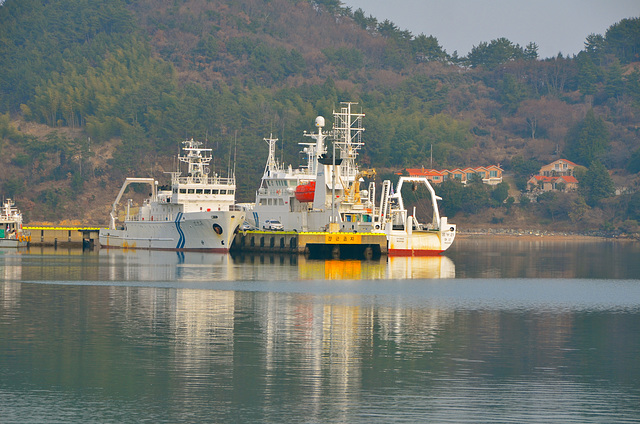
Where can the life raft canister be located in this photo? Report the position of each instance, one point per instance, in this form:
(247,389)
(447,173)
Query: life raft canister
(305,192)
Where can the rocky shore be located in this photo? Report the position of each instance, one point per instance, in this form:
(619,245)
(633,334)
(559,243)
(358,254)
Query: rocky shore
(512,232)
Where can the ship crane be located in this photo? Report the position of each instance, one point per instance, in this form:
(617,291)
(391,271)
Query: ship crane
(353,192)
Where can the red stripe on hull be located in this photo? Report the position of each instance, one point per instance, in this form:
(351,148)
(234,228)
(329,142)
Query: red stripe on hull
(410,252)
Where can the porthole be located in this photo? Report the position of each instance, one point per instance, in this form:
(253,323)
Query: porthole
(217,228)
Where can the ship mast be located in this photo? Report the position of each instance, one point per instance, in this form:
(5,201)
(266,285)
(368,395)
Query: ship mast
(314,150)
(196,159)
(272,162)
(347,129)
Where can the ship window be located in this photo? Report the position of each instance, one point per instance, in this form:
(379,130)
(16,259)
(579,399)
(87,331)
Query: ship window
(223,191)
(214,191)
(281,201)
(229,191)
(183,190)
(190,191)
(269,201)
(198,191)
(207,191)
(175,190)
(263,202)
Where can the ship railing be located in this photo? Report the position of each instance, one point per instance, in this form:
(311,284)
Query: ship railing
(152,218)
(206,180)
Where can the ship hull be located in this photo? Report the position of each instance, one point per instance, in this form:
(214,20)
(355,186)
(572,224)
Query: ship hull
(419,243)
(200,231)
(13,243)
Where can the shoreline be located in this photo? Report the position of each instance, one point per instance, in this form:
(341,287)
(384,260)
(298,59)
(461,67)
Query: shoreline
(538,235)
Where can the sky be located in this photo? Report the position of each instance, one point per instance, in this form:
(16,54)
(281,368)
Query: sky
(556,26)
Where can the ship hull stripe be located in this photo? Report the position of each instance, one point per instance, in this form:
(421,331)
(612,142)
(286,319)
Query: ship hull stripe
(181,240)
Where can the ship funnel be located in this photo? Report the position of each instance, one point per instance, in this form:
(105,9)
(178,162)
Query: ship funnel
(320,122)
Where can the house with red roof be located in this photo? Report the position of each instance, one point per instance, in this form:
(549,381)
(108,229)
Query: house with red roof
(432,175)
(544,183)
(491,175)
(558,167)
(558,175)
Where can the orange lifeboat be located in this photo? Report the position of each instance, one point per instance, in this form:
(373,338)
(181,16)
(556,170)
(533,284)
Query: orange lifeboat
(305,192)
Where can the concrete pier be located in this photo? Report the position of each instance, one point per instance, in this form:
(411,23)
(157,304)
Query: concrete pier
(85,237)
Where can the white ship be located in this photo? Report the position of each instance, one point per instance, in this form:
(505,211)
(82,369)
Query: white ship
(198,213)
(406,236)
(11,232)
(308,198)
(317,198)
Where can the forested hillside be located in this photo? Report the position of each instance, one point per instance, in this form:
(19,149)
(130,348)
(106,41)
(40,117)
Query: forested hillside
(93,91)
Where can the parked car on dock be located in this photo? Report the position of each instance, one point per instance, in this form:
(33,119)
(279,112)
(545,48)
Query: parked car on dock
(247,226)
(273,225)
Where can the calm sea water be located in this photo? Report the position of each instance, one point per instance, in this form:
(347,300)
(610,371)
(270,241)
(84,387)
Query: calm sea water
(496,331)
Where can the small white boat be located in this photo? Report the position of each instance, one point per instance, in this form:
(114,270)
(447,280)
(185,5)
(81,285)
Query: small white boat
(198,213)
(11,232)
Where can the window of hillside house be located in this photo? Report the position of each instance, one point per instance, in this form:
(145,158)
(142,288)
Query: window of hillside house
(493,173)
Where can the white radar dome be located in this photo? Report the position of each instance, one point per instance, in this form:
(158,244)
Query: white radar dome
(320,121)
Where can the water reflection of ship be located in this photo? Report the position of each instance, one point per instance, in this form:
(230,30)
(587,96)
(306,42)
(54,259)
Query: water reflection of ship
(390,268)
(421,267)
(10,276)
(147,265)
